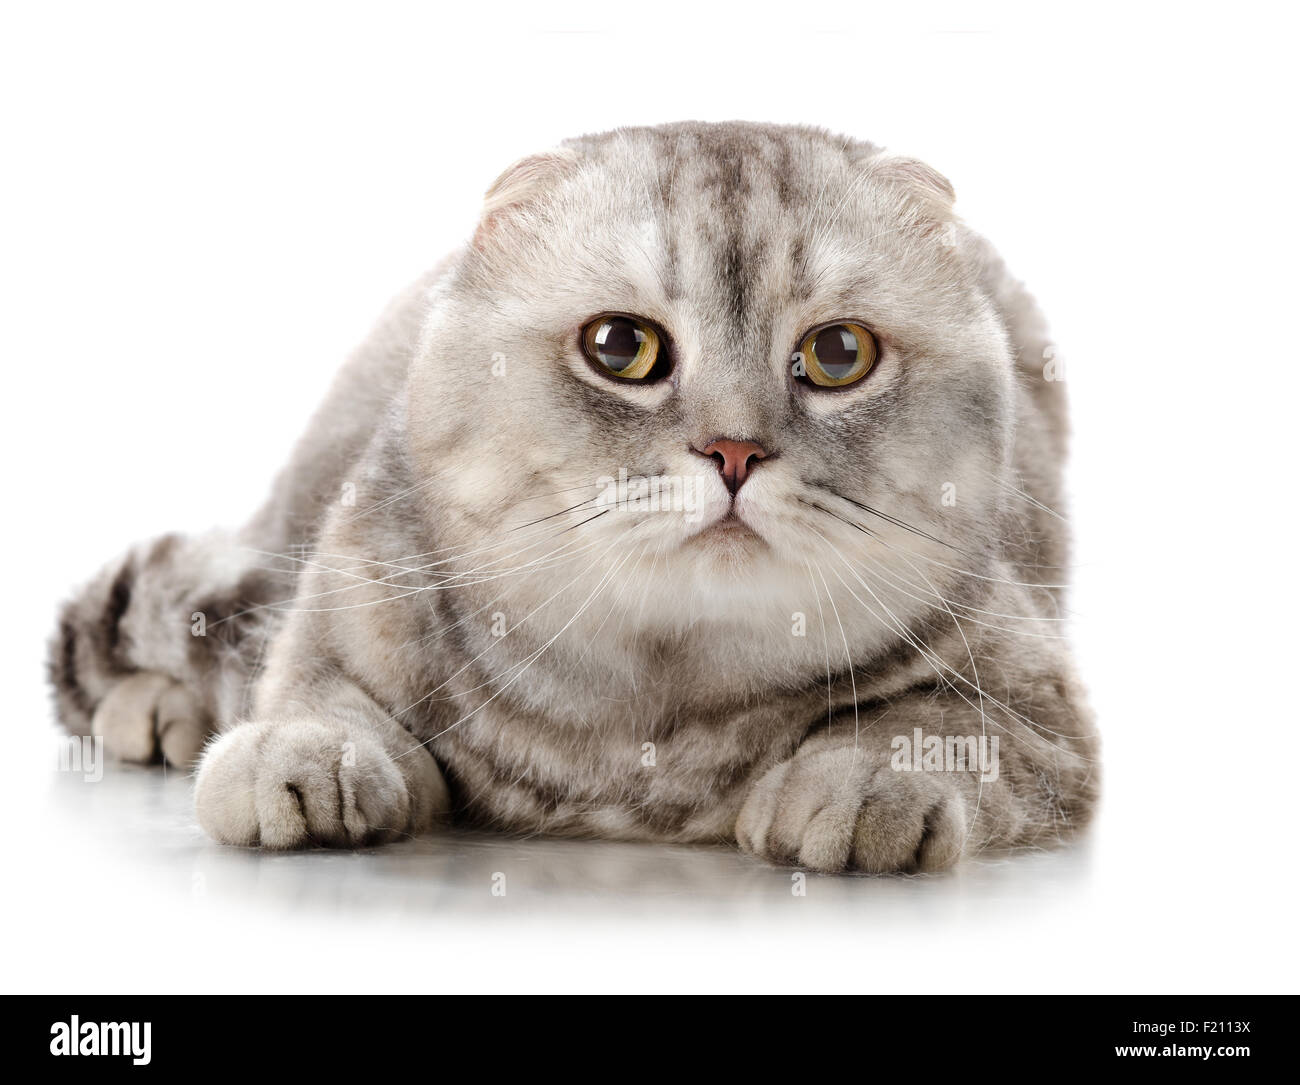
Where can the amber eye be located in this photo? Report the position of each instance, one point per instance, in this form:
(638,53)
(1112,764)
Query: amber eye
(623,346)
(838,355)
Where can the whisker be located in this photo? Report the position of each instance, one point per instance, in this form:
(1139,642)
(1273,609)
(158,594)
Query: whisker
(282,605)
(553,515)
(605,580)
(394,497)
(931,657)
(1012,488)
(853,681)
(926,557)
(898,523)
(975,674)
(503,637)
(826,649)
(573,552)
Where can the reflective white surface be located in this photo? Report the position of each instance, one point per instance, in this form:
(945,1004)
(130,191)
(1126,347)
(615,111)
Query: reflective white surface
(143,819)
(115,888)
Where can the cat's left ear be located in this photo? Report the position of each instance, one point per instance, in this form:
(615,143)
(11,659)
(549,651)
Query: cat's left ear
(923,187)
(518,190)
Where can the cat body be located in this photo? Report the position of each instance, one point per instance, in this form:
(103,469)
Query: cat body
(457,601)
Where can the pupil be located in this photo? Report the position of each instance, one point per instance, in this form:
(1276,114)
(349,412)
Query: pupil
(837,351)
(618,343)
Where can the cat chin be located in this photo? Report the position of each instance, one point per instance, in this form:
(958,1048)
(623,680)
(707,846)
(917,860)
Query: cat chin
(736,561)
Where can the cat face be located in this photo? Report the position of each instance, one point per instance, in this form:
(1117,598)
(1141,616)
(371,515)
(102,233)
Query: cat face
(734,358)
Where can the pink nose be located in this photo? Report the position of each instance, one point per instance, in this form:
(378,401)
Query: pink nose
(734,460)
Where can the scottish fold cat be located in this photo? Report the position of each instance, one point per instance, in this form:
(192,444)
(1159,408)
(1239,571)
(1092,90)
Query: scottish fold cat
(708,494)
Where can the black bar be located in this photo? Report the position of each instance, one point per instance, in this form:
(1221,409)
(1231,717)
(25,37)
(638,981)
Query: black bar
(343,1033)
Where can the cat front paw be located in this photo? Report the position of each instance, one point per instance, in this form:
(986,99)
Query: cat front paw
(310,783)
(830,811)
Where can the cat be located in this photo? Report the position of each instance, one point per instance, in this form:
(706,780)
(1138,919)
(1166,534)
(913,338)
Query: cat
(721,464)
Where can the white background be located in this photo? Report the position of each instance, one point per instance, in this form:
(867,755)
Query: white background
(205,208)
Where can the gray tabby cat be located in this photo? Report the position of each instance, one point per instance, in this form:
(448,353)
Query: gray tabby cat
(705,496)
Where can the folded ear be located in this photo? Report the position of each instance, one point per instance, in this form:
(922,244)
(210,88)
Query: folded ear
(518,189)
(922,185)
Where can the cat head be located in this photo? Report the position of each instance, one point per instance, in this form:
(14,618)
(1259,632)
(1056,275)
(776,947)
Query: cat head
(737,359)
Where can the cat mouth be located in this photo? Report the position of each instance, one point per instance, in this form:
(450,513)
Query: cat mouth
(732,522)
(729,529)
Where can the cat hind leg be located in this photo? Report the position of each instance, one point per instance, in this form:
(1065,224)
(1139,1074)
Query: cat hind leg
(153,654)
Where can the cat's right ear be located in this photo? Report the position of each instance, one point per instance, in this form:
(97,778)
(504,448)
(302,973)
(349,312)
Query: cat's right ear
(518,190)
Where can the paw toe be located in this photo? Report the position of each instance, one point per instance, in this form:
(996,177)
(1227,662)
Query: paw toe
(943,836)
(914,826)
(223,795)
(182,725)
(828,838)
(125,717)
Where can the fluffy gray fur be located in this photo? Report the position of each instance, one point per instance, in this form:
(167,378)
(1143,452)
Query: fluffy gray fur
(434,615)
